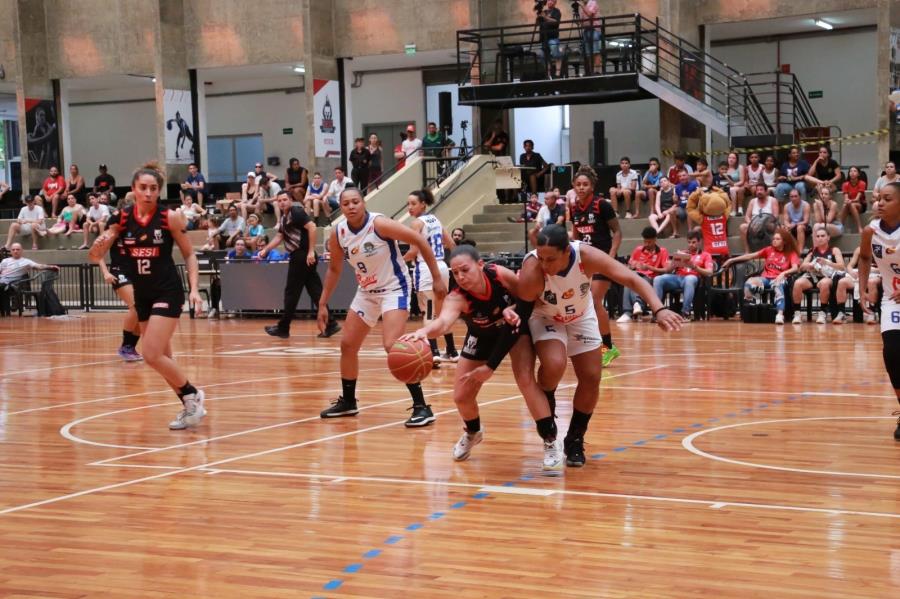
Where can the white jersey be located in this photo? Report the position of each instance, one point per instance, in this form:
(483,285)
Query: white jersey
(886,252)
(433,232)
(567,295)
(378,262)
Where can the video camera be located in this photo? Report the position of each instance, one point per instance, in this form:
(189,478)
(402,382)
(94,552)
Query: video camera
(539,6)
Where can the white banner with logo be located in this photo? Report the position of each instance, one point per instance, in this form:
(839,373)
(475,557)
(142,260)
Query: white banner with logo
(328,118)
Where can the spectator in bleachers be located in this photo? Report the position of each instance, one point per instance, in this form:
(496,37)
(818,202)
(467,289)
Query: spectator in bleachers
(796,218)
(75,184)
(683,191)
(738,176)
(316,193)
(95,220)
(30,222)
(105,183)
(890,176)
(548,20)
(497,140)
(530,212)
(762,203)
(854,190)
(754,171)
(435,144)
(296,180)
(335,189)
(626,188)
(770,175)
(412,145)
(192,211)
(674,172)
(360,158)
(538,167)
(52,191)
(196,181)
(702,175)
(781,261)
(105,199)
(665,212)
(721,180)
(590,25)
(14,269)
(459,237)
(399,154)
(551,213)
(249,196)
(273,255)
(792,175)
(376,167)
(259,171)
(648,260)
(231,229)
(239,251)
(826,214)
(255,229)
(850,284)
(69,220)
(268,192)
(683,273)
(650,185)
(824,172)
(822,268)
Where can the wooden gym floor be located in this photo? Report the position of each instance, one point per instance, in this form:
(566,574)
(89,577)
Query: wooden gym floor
(728,460)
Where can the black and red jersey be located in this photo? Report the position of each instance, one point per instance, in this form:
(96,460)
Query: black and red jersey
(145,248)
(485,312)
(591,223)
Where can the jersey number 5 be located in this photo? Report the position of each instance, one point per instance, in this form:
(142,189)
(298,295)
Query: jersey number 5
(143,266)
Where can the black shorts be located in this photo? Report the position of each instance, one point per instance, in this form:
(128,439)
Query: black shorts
(599,277)
(122,278)
(161,302)
(479,344)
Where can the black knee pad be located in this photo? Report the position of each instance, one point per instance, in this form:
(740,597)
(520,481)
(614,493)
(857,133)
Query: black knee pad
(891,353)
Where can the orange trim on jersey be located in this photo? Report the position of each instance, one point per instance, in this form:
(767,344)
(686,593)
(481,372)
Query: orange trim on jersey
(146,222)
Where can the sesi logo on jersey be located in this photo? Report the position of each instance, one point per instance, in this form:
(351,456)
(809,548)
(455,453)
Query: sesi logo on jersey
(143,252)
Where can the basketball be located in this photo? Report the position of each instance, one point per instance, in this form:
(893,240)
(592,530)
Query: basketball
(410,361)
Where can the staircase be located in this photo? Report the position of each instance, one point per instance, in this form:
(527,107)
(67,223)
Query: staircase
(773,109)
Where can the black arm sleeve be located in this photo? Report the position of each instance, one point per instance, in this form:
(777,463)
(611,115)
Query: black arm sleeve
(508,335)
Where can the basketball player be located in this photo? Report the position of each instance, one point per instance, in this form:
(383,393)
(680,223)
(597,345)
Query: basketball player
(881,239)
(557,275)
(148,231)
(595,223)
(368,241)
(120,277)
(436,235)
(482,295)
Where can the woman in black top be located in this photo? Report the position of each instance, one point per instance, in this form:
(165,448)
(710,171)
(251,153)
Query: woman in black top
(594,221)
(824,172)
(149,231)
(376,166)
(360,158)
(295,180)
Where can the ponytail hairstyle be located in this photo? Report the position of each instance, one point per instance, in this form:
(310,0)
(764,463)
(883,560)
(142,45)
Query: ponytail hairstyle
(150,168)
(424,196)
(554,236)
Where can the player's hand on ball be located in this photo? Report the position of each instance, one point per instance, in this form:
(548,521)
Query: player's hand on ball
(414,336)
(668,320)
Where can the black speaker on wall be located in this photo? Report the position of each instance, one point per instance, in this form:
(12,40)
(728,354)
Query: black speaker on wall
(599,142)
(445,112)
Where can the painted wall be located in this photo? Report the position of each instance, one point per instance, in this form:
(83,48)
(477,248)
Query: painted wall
(841,66)
(632,129)
(385,98)
(122,136)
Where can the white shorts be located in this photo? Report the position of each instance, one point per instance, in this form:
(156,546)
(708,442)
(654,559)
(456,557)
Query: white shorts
(579,336)
(422,280)
(370,306)
(890,315)
(25,229)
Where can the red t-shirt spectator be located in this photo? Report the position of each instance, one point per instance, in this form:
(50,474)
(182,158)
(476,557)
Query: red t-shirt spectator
(777,262)
(657,258)
(854,192)
(702,259)
(54,185)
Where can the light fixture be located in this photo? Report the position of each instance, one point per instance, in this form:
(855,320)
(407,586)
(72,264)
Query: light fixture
(824,24)
(153,79)
(299,69)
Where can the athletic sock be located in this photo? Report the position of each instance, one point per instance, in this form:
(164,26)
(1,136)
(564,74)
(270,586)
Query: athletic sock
(607,339)
(546,428)
(129,339)
(551,399)
(186,389)
(432,343)
(451,346)
(578,425)
(473,426)
(348,390)
(415,390)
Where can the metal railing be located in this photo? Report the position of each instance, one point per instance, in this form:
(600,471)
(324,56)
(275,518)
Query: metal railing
(774,103)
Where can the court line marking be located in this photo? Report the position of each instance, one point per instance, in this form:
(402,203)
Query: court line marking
(688,443)
(119,485)
(167,390)
(738,391)
(711,503)
(6,375)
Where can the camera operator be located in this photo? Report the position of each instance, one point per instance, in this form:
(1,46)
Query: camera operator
(590,26)
(548,18)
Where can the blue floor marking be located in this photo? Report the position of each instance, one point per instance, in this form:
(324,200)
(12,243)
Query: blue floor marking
(658,437)
(598,456)
(353,568)
(677,430)
(414,526)
(697,425)
(619,448)
(458,505)
(436,516)
(642,442)
(372,553)
(480,495)
(393,540)
(332,584)
(509,484)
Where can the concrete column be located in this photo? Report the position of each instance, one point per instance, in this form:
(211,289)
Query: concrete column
(888,16)
(320,63)
(32,76)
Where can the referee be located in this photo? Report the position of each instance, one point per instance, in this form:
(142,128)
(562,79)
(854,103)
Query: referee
(298,233)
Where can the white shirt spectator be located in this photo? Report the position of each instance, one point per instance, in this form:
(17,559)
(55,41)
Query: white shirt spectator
(35,213)
(229,226)
(336,188)
(98,213)
(881,182)
(411,145)
(274,189)
(624,180)
(14,269)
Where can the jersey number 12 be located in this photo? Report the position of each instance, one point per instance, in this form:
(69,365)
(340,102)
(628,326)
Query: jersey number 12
(143,266)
